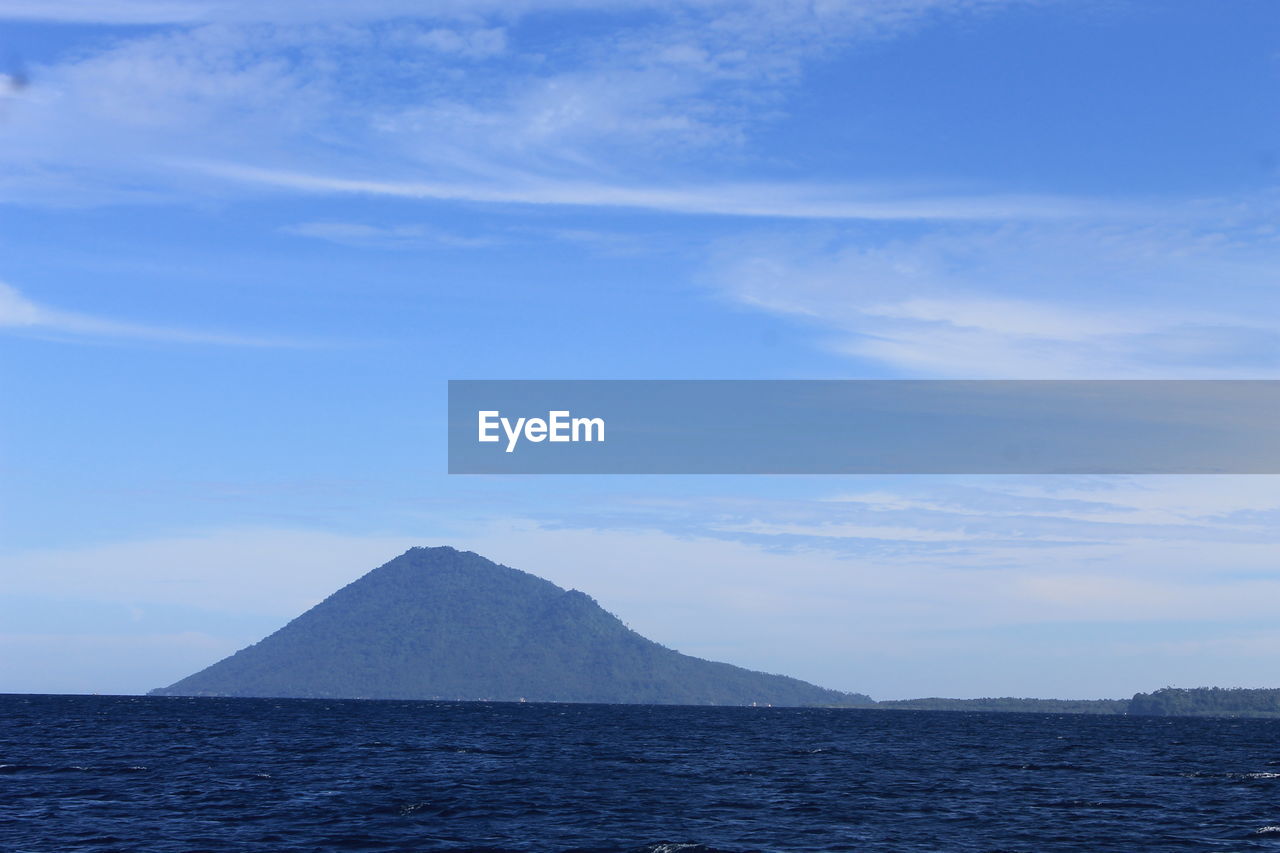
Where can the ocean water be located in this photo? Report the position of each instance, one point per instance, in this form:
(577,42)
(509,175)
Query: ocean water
(170,774)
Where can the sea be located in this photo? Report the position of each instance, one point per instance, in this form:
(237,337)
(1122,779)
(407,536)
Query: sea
(128,773)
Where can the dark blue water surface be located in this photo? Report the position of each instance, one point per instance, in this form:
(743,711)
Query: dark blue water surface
(170,774)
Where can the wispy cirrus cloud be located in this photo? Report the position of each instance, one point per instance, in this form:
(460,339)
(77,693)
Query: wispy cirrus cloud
(1036,523)
(777,201)
(19,314)
(453,102)
(735,15)
(366,236)
(1189,294)
(127,12)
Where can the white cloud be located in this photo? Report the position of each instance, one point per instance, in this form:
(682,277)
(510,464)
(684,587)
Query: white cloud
(1227,503)
(367,236)
(206,11)
(20,314)
(781,201)
(454,104)
(804,606)
(733,15)
(1153,297)
(474,44)
(108,11)
(831,591)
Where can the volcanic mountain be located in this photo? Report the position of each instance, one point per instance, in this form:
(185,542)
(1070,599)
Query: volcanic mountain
(437,623)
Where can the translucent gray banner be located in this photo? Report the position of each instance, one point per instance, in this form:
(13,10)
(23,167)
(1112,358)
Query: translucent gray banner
(864,427)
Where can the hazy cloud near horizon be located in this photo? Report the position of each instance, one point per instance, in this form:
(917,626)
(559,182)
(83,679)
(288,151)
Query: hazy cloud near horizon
(885,574)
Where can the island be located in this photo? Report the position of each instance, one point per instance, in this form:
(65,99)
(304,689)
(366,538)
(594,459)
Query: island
(439,623)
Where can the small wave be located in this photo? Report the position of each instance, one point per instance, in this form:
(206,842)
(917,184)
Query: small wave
(1267,830)
(413,808)
(675,847)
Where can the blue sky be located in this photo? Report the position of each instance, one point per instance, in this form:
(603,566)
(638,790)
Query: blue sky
(243,246)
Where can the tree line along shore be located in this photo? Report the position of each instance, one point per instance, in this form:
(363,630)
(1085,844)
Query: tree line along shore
(1166,702)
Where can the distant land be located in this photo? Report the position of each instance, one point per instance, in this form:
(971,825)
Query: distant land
(438,623)
(1166,702)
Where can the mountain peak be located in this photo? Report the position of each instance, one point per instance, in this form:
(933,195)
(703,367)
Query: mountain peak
(439,623)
